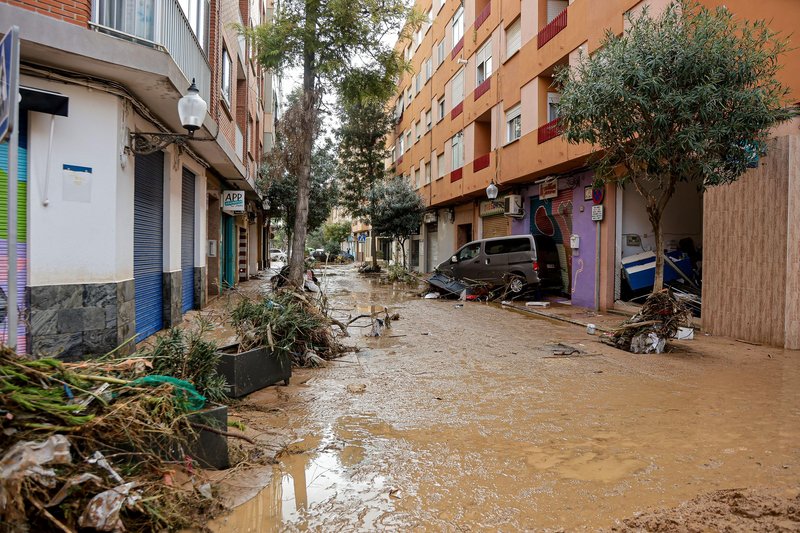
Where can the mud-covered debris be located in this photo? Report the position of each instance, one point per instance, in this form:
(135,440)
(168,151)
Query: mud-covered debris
(660,318)
(356,388)
(102,512)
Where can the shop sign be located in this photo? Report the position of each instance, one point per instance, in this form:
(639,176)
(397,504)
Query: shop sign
(489,208)
(233,201)
(548,189)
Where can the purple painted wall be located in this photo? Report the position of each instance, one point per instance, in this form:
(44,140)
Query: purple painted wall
(583,259)
(522,226)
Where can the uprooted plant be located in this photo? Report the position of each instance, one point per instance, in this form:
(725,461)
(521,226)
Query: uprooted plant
(288,323)
(85,448)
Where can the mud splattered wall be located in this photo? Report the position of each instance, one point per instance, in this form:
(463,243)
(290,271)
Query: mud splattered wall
(553,217)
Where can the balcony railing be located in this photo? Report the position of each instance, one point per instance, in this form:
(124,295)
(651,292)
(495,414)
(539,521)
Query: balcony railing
(551,130)
(457,48)
(457,110)
(552,29)
(457,174)
(483,15)
(481,162)
(481,89)
(161,23)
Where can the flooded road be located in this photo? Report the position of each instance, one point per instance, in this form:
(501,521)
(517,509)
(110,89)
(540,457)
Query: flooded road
(461,418)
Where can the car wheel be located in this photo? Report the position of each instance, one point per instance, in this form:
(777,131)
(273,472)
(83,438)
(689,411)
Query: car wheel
(516,283)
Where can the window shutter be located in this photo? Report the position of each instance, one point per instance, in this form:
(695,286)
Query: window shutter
(513,38)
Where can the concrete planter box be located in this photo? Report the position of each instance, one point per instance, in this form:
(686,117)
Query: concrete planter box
(252,370)
(210,449)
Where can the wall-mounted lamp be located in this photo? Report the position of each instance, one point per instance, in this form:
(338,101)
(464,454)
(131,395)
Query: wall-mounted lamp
(191,110)
(462,61)
(491,191)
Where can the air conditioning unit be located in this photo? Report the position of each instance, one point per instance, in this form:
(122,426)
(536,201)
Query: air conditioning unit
(512,206)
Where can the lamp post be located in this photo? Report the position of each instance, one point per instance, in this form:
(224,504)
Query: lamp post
(191,110)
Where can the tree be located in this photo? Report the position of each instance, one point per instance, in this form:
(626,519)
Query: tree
(686,96)
(341,44)
(335,233)
(398,212)
(278,181)
(362,158)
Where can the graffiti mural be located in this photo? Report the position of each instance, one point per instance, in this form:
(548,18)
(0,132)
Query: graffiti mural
(22,241)
(553,217)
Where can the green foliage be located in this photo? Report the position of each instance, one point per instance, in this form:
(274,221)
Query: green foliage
(677,97)
(399,211)
(183,354)
(399,273)
(362,155)
(334,234)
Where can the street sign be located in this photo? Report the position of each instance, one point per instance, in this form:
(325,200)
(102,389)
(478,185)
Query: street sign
(598,195)
(362,237)
(597,213)
(9,73)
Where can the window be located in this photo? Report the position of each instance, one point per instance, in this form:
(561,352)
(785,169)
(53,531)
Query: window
(457,88)
(408,139)
(417,130)
(407,53)
(438,4)
(469,251)
(428,20)
(513,38)
(553,99)
(420,82)
(226,76)
(196,12)
(409,97)
(513,124)
(440,106)
(508,246)
(417,182)
(458,150)
(427,69)
(428,120)
(401,148)
(439,54)
(484,61)
(440,164)
(458,26)
(427,173)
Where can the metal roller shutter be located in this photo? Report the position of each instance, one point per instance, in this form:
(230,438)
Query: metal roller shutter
(148,254)
(187,241)
(495,226)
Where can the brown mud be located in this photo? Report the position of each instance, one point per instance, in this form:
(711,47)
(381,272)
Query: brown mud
(460,418)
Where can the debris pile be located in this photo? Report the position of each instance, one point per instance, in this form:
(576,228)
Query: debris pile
(89,445)
(661,316)
(289,323)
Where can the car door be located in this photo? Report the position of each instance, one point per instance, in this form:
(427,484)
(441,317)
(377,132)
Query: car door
(494,261)
(469,262)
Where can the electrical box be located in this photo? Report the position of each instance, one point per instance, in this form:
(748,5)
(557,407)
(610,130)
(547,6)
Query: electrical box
(212,248)
(574,241)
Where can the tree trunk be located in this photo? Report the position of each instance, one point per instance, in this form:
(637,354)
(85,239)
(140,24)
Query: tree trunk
(403,250)
(268,259)
(297,261)
(374,240)
(654,214)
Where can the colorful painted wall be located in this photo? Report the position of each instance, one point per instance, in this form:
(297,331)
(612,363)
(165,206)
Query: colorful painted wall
(584,261)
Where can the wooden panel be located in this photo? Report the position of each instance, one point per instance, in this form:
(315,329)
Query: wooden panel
(745,252)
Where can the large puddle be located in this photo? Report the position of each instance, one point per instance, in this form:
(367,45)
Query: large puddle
(462,422)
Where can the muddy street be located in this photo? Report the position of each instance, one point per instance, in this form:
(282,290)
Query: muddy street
(462,417)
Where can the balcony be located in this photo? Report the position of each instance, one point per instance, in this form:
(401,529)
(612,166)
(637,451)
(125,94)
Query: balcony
(548,131)
(161,24)
(457,110)
(552,29)
(481,89)
(457,48)
(483,15)
(481,162)
(457,174)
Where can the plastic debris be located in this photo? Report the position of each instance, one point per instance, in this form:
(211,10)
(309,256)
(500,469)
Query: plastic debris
(205,490)
(100,460)
(73,482)
(432,295)
(27,459)
(102,512)
(648,343)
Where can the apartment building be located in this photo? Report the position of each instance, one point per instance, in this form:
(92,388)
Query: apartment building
(480,107)
(122,232)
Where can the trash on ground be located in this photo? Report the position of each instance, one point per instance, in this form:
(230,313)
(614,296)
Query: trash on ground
(356,389)
(684,334)
(102,512)
(660,318)
(537,304)
(432,296)
(591,329)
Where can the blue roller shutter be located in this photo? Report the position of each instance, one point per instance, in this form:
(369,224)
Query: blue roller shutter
(148,254)
(187,241)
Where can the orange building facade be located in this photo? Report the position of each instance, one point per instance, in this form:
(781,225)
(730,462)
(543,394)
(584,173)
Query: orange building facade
(479,106)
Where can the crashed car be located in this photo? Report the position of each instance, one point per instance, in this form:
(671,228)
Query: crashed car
(519,262)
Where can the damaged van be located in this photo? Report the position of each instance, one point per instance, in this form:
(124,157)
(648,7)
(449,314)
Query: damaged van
(519,261)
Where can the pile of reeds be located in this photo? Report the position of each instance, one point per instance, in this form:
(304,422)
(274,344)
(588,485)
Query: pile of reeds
(114,433)
(659,320)
(287,322)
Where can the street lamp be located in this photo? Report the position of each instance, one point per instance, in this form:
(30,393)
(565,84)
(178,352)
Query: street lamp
(491,191)
(191,110)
